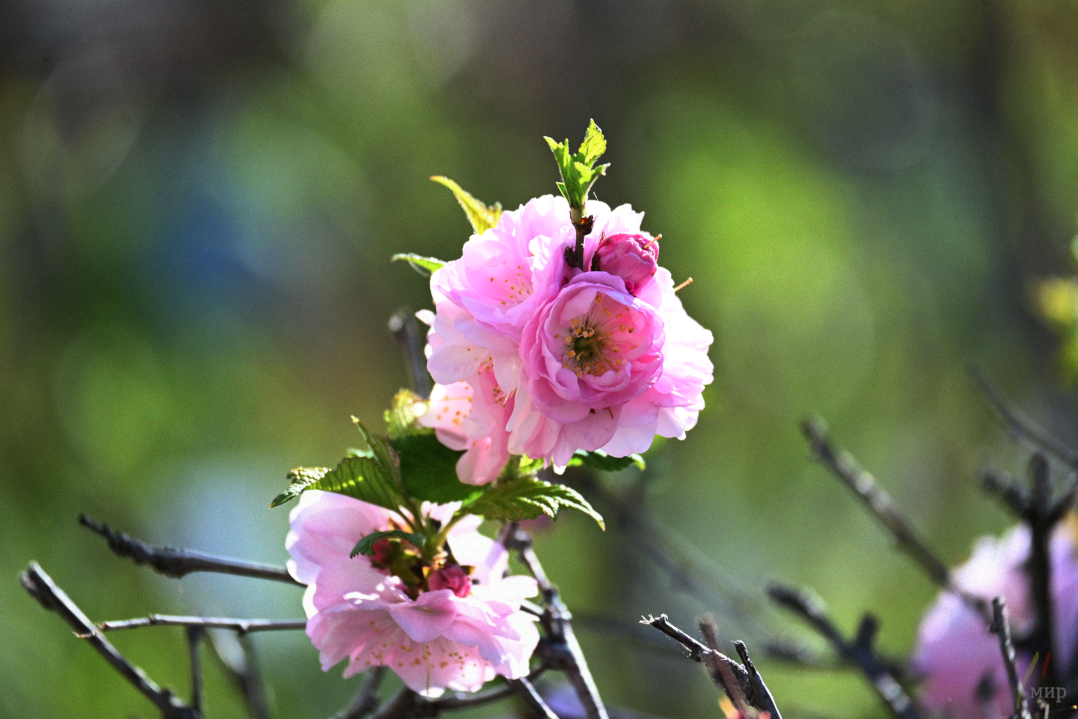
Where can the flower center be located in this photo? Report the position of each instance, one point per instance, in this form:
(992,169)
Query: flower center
(594,340)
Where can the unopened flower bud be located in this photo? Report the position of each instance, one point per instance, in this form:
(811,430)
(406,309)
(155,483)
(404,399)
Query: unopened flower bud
(452,577)
(633,258)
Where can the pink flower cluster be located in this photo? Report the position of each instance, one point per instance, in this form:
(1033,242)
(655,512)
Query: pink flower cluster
(535,357)
(458,634)
(955,650)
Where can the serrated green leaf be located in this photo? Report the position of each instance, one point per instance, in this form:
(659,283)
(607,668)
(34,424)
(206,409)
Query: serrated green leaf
(299,479)
(365,546)
(362,478)
(527,498)
(578,170)
(602,461)
(429,469)
(425,266)
(482,217)
(382,451)
(403,415)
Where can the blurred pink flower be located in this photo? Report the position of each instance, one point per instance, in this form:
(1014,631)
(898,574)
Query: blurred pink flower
(456,635)
(591,360)
(955,650)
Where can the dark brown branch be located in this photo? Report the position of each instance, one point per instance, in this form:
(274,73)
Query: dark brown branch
(44,590)
(859,481)
(1002,629)
(750,685)
(561,650)
(180,562)
(242,626)
(860,652)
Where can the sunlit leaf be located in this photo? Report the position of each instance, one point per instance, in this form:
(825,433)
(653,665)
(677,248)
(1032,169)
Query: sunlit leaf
(578,170)
(401,417)
(482,217)
(425,266)
(300,479)
(528,498)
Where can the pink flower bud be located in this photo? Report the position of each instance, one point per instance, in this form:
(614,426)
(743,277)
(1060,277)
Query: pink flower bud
(452,577)
(633,258)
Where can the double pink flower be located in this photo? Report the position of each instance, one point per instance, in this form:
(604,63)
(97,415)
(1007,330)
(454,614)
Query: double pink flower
(557,358)
(457,635)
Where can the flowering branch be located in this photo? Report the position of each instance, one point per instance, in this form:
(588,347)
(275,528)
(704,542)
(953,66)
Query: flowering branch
(859,652)
(748,684)
(44,590)
(560,649)
(180,562)
(844,466)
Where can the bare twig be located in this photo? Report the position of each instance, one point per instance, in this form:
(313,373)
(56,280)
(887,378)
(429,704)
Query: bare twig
(531,698)
(720,672)
(561,650)
(242,626)
(194,643)
(750,685)
(843,466)
(407,332)
(1019,425)
(238,657)
(366,699)
(1002,629)
(1039,567)
(44,590)
(860,652)
(180,562)
(1009,490)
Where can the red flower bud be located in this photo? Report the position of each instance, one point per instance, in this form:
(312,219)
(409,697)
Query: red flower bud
(633,258)
(452,577)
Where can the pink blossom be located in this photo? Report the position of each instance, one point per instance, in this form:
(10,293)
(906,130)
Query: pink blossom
(955,650)
(633,365)
(457,634)
(633,258)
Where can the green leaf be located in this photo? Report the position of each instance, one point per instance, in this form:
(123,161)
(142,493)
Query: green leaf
(402,417)
(365,546)
(300,479)
(429,469)
(362,478)
(382,452)
(602,461)
(482,217)
(578,170)
(527,498)
(425,266)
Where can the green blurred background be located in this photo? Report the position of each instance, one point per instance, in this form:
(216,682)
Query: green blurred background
(198,203)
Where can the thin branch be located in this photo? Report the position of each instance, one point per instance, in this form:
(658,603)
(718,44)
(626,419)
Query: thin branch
(531,698)
(44,590)
(194,642)
(750,684)
(1008,489)
(1002,629)
(241,626)
(1019,425)
(859,481)
(238,658)
(561,650)
(720,672)
(1039,567)
(859,652)
(366,699)
(180,562)
(407,332)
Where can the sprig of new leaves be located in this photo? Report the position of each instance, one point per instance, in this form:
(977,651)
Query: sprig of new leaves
(578,174)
